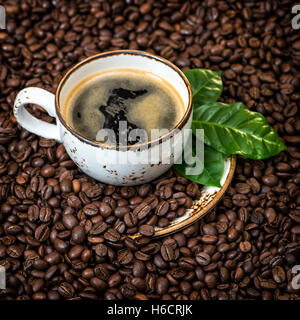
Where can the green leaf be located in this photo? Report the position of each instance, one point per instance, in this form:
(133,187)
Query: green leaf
(213,168)
(206,85)
(233,129)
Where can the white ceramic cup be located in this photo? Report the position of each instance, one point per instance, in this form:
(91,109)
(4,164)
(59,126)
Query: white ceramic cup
(104,162)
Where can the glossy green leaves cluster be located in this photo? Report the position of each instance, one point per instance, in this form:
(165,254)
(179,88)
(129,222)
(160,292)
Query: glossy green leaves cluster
(228,128)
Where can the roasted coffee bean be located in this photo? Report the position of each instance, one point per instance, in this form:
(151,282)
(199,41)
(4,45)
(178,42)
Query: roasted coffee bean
(75,252)
(192,189)
(112,235)
(168,250)
(94,191)
(240,200)
(69,221)
(130,219)
(144,189)
(47,171)
(265,257)
(270,180)
(202,258)
(60,245)
(52,258)
(74,201)
(76,185)
(14,251)
(90,210)
(142,210)
(166,192)
(146,230)
(42,233)
(127,192)
(98,228)
(162,208)
(98,284)
(66,185)
(162,286)
(245,246)
(209,239)
(78,234)
(101,250)
(66,290)
(33,213)
(139,283)
(121,211)
(114,280)
(243,188)
(45,214)
(105,209)
(124,256)
(279,274)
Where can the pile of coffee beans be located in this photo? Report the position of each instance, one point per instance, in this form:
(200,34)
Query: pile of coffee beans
(60,231)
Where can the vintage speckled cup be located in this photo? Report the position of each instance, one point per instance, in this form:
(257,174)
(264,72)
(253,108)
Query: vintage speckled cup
(104,162)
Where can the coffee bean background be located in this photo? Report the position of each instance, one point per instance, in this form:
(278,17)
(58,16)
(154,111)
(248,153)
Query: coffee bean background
(60,230)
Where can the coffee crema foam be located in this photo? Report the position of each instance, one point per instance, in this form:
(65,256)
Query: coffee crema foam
(141,99)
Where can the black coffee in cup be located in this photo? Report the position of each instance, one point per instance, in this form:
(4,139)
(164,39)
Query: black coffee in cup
(139,99)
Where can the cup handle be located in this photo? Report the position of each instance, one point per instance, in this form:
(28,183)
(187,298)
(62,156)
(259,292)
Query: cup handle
(39,127)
